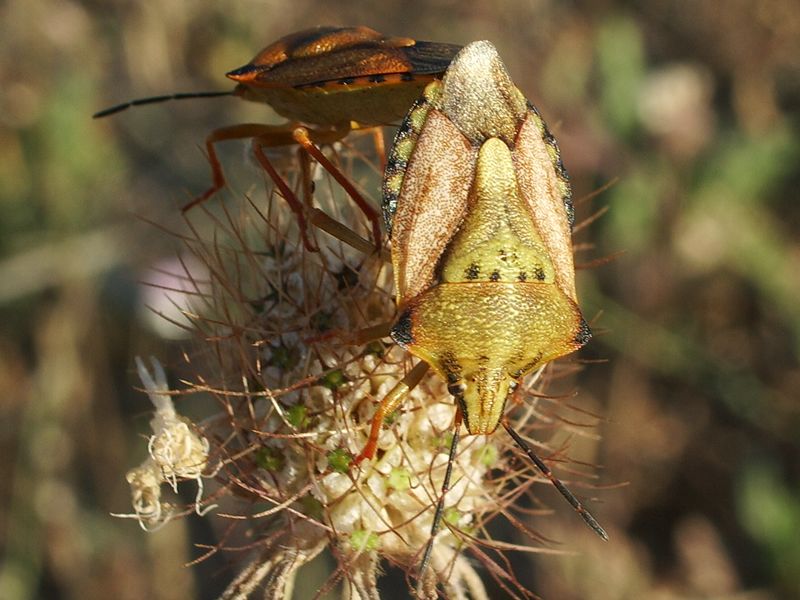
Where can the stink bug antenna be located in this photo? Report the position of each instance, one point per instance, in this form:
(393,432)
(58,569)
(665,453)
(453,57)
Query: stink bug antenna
(155,99)
(437,516)
(569,496)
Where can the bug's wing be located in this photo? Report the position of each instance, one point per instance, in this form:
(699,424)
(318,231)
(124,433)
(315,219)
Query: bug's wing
(316,56)
(430,58)
(543,184)
(316,70)
(475,101)
(431,203)
(314,41)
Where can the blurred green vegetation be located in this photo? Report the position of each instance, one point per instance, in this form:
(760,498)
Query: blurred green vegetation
(693,107)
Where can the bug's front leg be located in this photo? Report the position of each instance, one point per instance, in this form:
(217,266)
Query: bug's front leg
(388,405)
(243,131)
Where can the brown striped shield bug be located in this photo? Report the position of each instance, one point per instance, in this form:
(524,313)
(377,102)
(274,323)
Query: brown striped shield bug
(327,81)
(479,210)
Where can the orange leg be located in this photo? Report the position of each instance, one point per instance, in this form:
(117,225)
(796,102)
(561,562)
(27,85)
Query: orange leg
(380,146)
(302,136)
(281,135)
(387,406)
(318,218)
(271,136)
(306,182)
(291,199)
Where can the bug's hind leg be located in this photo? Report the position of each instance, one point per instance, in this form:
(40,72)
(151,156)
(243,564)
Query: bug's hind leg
(306,138)
(294,203)
(323,221)
(317,217)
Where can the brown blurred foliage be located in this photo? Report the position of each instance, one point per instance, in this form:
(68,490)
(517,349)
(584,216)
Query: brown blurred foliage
(691,107)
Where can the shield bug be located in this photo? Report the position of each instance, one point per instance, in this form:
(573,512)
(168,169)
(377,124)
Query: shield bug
(479,210)
(330,79)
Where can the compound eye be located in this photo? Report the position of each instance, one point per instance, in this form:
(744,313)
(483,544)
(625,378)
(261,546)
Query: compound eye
(457,389)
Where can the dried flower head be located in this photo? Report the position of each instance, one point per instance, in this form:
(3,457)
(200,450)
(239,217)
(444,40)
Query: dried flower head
(296,400)
(176,452)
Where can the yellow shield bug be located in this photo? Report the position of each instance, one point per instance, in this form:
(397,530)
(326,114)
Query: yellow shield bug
(334,79)
(479,210)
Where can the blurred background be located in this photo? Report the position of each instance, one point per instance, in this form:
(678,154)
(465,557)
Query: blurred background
(690,108)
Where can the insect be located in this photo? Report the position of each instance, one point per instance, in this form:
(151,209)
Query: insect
(327,81)
(479,210)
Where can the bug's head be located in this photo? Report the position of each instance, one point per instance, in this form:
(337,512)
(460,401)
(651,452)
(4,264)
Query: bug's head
(481,391)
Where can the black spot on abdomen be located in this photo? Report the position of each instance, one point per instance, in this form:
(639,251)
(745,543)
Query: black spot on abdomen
(401,330)
(472,272)
(584,334)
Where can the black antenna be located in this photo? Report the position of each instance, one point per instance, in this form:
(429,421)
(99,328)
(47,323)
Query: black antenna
(576,504)
(154,99)
(439,514)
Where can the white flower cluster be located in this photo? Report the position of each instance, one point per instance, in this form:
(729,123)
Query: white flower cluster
(383,508)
